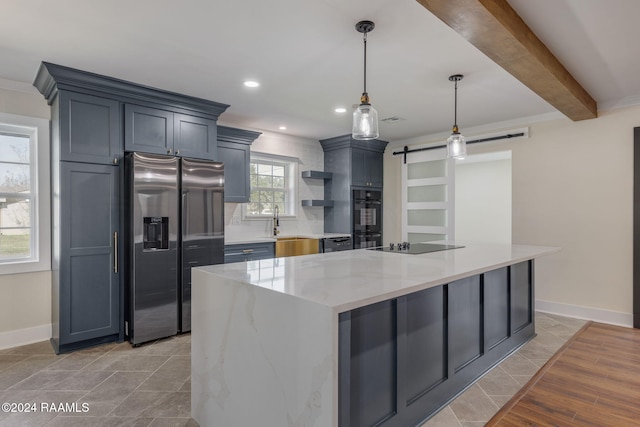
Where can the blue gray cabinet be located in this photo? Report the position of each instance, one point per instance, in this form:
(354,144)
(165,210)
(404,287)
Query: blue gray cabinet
(86,272)
(154,130)
(248,252)
(364,160)
(90,114)
(402,360)
(148,130)
(89,128)
(353,164)
(366,168)
(195,137)
(234,150)
(86,147)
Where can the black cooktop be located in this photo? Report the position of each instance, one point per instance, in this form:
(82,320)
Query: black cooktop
(417,248)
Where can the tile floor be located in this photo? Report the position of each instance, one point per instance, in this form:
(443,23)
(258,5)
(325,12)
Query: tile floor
(149,386)
(481,401)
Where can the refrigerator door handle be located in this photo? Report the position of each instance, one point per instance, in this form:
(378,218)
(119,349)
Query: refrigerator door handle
(115,251)
(185,216)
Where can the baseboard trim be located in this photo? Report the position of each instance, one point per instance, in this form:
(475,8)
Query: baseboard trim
(25,336)
(587,313)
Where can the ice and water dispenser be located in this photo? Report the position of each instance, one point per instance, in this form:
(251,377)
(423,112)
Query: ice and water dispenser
(155,234)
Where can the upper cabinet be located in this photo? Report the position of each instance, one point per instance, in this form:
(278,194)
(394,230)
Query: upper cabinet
(195,137)
(89,128)
(149,130)
(366,168)
(94,111)
(234,149)
(153,130)
(360,162)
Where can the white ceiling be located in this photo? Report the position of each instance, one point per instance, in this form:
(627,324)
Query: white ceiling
(307,56)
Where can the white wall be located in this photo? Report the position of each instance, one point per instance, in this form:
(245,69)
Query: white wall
(483,198)
(25,299)
(308,220)
(22,99)
(572,188)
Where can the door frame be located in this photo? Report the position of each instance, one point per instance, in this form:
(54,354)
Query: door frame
(636,227)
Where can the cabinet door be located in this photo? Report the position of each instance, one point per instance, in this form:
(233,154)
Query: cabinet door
(236,171)
(366,168)
(373,166)
(368,367)
(358,168)
(195,137)
(89,278)
(148,130)
(89,128)
(521,296)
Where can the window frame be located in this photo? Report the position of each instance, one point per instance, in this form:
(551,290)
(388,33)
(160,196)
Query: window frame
(291,185)
(37,129)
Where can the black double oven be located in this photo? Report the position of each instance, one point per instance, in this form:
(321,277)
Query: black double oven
(367,218)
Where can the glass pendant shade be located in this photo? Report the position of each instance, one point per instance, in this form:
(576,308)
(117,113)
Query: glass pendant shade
(365,122)
(365,117)
(456,146)
(456,143)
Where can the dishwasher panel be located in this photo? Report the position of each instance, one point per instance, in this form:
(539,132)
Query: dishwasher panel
(334,244)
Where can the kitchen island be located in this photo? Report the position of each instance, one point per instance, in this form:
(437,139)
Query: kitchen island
(354,338)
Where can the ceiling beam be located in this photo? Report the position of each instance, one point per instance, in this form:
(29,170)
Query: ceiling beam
(498,31)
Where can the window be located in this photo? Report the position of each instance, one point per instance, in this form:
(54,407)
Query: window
(24,217)
(16,201)
(272,184)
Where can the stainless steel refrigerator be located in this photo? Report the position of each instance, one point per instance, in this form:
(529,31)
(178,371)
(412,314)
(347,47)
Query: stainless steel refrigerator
(175,221)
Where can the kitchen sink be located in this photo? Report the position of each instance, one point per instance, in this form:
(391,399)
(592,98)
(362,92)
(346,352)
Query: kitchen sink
(292,246)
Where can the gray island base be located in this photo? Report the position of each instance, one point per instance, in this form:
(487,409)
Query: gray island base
(356,338)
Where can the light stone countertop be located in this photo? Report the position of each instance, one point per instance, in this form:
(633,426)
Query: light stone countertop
(350,279)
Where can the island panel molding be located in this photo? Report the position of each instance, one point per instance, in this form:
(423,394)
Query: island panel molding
(402,360)
(301,340)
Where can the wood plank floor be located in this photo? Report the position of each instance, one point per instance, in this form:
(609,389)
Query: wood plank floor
(593,380)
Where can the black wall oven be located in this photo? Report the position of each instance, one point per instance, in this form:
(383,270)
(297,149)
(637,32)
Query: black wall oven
(367,218)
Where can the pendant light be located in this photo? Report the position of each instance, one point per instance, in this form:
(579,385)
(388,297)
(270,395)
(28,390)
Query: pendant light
(456,143)
(365,117)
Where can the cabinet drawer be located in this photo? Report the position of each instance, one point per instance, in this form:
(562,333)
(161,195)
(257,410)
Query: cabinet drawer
(248,252)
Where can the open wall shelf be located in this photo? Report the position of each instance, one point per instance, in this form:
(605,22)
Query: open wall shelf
(317,175)
(324,203)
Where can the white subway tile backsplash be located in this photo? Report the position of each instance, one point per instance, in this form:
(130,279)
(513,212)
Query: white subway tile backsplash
(308,220)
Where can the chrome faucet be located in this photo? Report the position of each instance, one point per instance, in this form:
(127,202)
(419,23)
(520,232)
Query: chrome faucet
(276,221)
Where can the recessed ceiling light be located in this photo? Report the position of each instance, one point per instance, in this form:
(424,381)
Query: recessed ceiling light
(251,83)
(340,110)
(282,128)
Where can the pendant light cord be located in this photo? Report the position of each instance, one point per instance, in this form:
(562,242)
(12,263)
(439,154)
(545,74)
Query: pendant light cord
(455,105)
(365,61)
